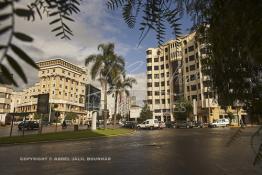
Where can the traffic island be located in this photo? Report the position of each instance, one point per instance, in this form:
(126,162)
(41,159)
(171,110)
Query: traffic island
(63,136)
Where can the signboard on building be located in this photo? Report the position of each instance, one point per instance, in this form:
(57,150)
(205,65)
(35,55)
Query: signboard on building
(43,104)
(93,98)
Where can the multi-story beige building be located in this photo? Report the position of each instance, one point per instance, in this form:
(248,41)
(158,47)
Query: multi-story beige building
(162,64)
(174,71)
(66,84)
(5,101)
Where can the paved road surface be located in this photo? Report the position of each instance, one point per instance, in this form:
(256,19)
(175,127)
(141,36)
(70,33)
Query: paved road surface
(168,151)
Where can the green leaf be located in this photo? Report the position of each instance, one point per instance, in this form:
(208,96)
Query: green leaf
(3,5)
(23,37)
(58,28)
(16,67)
(2,47)
(53,14)
(7,75)
(4,17)
(23,12)
(69,19)
(55,21)
(59,34)
(23,56)
(5,29)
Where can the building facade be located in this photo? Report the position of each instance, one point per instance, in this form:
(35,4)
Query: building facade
(63,81)
(5,102)
(175,71)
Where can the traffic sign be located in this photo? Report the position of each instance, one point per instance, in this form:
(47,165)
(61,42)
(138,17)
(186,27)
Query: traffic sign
(43,104)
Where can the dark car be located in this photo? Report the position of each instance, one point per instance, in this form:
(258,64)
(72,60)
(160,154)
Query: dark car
(170,124)
(184,124)
(130,124)
(198,124)
(28,125)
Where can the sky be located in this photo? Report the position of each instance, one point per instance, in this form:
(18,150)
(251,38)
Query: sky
(95,24)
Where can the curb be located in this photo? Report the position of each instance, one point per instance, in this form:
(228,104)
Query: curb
(66,140)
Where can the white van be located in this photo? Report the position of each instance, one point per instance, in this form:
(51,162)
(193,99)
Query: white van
(149,124)
(220,123)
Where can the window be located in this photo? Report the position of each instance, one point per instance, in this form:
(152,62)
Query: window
(149,84)
(43,72)
(167,74)
(149,93)
(156,93)
(198,85)
(162,83)
(166,49)
(167,83)
(157,101)
(191,48)
(149,76)
(193,87)
(60,93)
(156,67)
(186,69)
(168,101)
(188,89)
(163,92)
(194,97)
(192,67)
(167,66)
(156,84)
(196,55)
(156,59)
(149,52)
(162,74)
(149,68)
(191,57)
(166,57)
(157,110)
(163,101)
(53,70)
(162,58)
(185,51)
(156,76)
(149,101)
(162,66)
(65,87)
(192,77)
(43,86)
(149,60)
(186,60)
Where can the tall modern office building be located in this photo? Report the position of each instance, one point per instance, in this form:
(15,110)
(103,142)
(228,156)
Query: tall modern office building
(175,71)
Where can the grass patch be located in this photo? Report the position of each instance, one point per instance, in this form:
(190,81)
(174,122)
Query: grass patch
(67,135)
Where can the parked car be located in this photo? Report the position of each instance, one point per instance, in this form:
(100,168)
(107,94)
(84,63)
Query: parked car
(219,123)
(130,124)
(28,125)
(198,124)
(184,124)
(162,125)
(149,124)
(170,124)
(142,125)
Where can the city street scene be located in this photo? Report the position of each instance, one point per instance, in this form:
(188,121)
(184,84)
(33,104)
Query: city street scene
(130,87)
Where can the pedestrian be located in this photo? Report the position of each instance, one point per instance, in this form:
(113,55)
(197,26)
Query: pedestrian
(241,123)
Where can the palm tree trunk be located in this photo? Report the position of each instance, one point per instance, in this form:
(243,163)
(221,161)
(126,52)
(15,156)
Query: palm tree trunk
(105,104)
(115,109)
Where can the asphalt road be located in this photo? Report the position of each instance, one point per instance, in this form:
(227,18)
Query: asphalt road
(168,151)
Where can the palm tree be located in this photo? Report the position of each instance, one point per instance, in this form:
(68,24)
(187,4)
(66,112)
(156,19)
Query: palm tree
(106,65)
(121,86)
